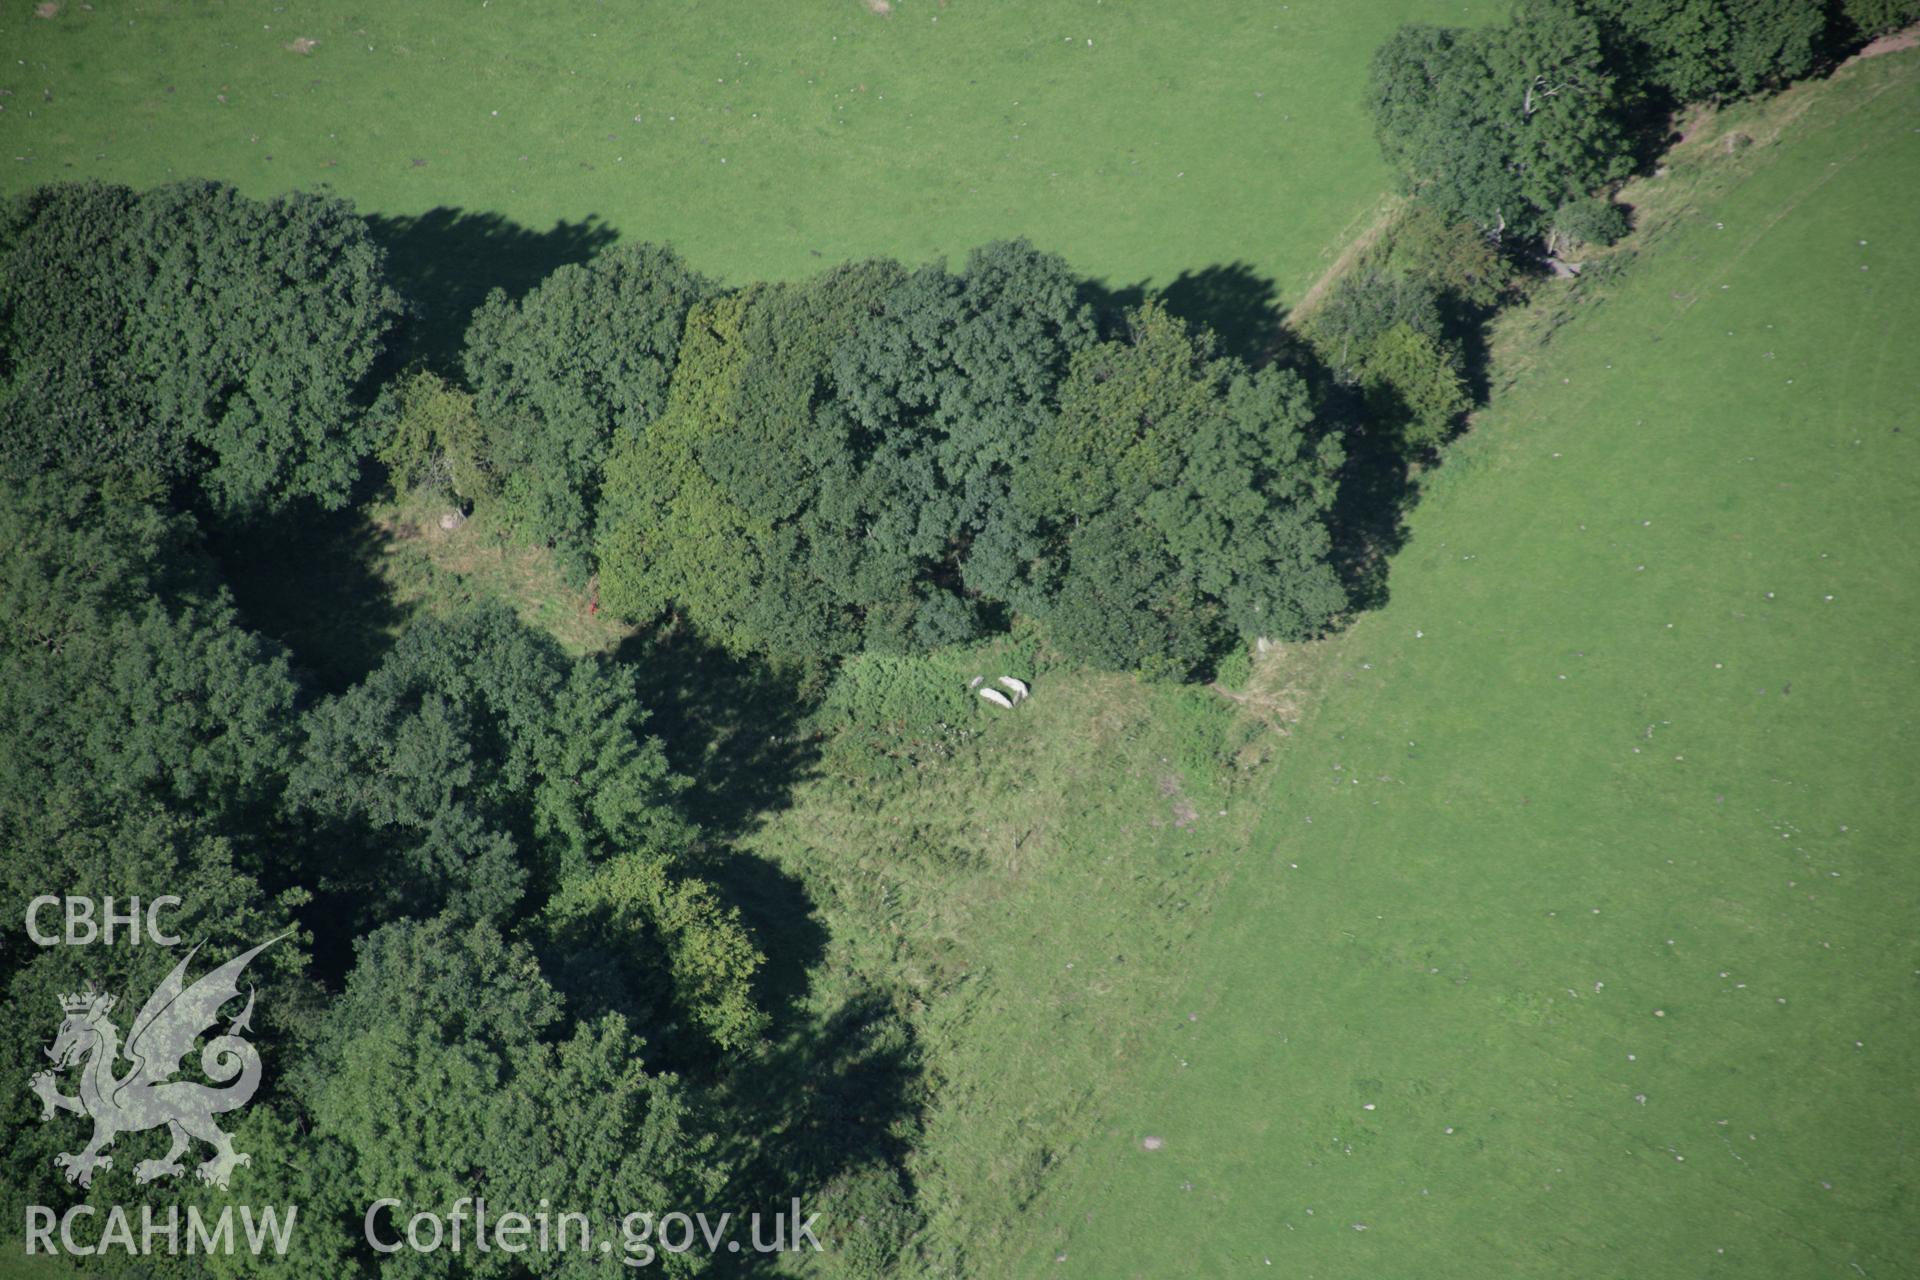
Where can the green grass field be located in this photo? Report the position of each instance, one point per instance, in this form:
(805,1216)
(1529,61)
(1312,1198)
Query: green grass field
(1576,937)
(1139,140)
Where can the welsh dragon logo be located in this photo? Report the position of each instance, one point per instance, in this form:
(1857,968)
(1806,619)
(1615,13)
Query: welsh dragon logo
(147,1096)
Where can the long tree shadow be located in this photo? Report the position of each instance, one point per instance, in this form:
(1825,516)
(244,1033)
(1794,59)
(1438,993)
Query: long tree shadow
(1112,302)
(779,911)
(1241,307)
(731,723)
(829,1114)
(1236,304)
(447,260)
(311,579)
(1377,487)
(734,725)
(1368,519)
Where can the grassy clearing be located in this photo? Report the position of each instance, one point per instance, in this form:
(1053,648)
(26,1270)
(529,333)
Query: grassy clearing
(337,588)
(1576,929)
(427,564)
(1029,899)
(1142,141)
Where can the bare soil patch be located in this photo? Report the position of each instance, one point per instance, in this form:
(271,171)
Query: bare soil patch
(1184,814)
(1892,42)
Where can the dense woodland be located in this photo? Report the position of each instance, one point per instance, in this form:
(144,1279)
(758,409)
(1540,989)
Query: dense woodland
(518,963)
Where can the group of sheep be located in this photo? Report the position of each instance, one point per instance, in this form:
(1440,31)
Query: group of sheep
(1017,687)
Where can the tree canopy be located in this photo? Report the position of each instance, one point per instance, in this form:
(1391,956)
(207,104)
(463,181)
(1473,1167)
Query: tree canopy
(211,340)
(1181,498)
(1500,125)
(872,459)
(446,1068)
(1870,18)
(126,678)
(478,783)
(1695,49)
(556,374)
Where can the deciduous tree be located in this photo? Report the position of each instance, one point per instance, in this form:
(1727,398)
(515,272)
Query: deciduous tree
(192,333)
(587,353)
(1500,125)
(1688,50)
(1183,497)
(446,1069)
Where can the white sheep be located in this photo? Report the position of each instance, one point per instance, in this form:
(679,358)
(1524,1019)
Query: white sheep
(997,698)
(1019,687)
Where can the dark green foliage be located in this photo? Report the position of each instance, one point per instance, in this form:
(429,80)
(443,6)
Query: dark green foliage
(670,535)
(836,454)
(191,333)
(480,773)
(74,394)
(432,441)
(1384,334)
(948,383)
(1181,498)
(1499,126)
(1456,259)
(1128,605)
(1503,126)
(874,460)
(142,735)
(1412,384)
(445,1070)
(1362,308)
(609,930)
(475,754)
(729,508)
(1592,220)
(142,851)
(146,748)
(784,432)
(587,353)
(1688,50)
(1876,17)
(125,678)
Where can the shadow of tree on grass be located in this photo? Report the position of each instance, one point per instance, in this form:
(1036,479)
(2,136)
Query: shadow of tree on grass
(829,1114)
(827,1110)
(1235,303)
(446,260)
(1241,307)
(730,722)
